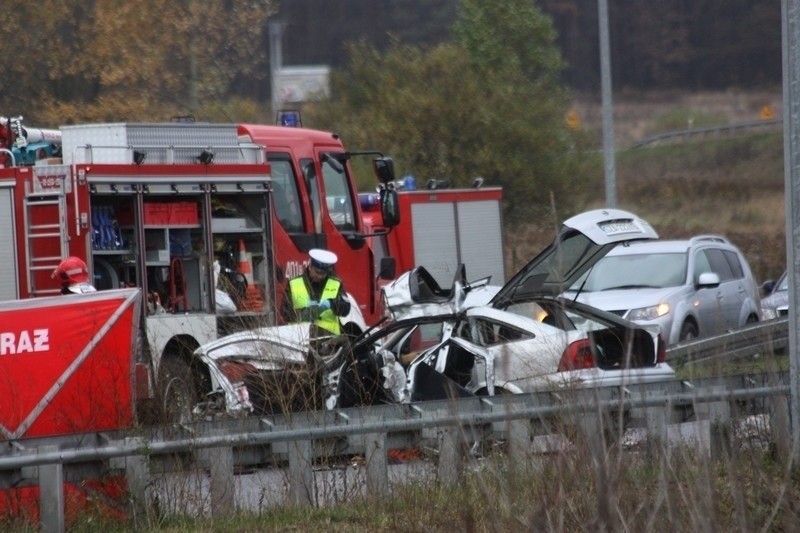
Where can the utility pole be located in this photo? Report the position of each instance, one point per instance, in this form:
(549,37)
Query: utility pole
(608,113)
(275,62)
(790,20)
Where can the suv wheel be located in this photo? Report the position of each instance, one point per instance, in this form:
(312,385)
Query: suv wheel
(688,331)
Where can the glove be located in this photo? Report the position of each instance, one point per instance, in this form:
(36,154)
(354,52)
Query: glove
(325,305)
(313,303)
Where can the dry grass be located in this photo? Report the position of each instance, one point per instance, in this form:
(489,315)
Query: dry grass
(637,115)
(729,186)
(584,486)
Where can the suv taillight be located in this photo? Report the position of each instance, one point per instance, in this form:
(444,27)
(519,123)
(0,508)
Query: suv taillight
(577,356)
(661,353)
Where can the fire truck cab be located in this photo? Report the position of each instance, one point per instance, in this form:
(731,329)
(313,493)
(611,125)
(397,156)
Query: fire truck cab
(317,206)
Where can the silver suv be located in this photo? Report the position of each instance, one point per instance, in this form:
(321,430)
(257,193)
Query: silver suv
(690,288)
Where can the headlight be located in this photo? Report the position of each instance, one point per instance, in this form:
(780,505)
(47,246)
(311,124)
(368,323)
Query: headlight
(649,313)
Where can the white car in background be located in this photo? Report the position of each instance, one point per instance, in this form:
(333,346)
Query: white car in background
(775,302)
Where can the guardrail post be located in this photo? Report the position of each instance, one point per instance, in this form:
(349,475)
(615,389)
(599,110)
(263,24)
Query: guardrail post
(451,461)
(377,464)
(779,425)
(592,430)
(519,440)
(51,494)
(657,419)
(590,421)
(220,466)
(137,472)
(301,476)
(718,414)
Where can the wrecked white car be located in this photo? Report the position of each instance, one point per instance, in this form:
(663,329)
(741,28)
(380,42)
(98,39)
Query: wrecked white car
(471,339)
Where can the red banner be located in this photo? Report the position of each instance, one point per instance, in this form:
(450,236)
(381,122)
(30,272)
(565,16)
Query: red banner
(67,363)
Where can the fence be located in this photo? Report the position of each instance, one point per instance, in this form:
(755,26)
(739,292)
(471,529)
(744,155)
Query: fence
(760,338)
(220,447)
(711,131)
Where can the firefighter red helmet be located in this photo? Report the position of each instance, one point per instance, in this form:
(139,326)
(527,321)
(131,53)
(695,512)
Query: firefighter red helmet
(71,271)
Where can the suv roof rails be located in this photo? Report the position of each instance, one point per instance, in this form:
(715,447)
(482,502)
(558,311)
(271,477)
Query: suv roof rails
(709,238)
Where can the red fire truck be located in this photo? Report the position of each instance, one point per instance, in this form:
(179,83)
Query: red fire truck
(441,228)
(179,211)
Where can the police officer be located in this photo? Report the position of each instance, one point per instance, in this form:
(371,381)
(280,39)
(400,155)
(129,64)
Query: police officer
(73,274)
(317,296)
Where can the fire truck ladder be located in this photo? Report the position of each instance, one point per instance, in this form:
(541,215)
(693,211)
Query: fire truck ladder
(45,234)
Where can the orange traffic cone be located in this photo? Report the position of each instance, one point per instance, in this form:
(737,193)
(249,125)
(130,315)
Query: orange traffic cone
(252,300)
(244,264)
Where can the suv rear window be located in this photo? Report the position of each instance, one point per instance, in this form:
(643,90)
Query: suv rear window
(719,264)
(736,265)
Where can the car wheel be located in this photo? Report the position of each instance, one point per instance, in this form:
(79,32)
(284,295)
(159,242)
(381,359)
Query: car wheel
(176,385)
(688,331)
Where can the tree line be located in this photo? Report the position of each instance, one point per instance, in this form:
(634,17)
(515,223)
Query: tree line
(102,60)
(452,89)
(668,44)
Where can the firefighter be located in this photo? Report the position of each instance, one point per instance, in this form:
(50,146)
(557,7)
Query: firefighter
(73,274)
(316,296)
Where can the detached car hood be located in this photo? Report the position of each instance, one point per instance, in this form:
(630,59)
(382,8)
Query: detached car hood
(581,241)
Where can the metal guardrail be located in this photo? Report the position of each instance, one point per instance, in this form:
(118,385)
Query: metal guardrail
(771,336)
(300,439)
(370,432)
(715,131)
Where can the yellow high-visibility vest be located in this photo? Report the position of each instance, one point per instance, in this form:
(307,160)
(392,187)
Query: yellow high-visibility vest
(326,320)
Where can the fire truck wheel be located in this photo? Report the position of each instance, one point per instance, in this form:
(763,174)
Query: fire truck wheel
(177,388)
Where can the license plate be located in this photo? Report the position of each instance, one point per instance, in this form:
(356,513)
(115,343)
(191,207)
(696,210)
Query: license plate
(615,228)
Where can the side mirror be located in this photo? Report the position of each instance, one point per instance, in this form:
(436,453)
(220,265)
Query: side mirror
(384,169)
(767,287)
(390,208)
(708,280)
(388,268)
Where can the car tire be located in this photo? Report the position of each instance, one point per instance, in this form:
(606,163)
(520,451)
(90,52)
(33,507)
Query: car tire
(178,393)
(688,331)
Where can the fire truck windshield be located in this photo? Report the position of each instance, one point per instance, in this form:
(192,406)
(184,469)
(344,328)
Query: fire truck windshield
(338,196)
(285,197)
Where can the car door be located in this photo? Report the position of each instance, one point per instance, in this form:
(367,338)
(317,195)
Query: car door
(707,302)
(734,290)
(730,293)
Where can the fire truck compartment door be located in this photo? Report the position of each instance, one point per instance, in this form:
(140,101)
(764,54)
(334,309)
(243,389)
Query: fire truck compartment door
(8,261)
(446,234)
